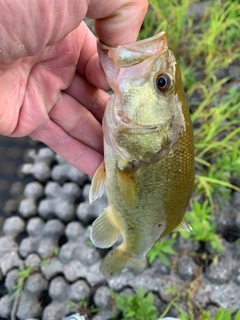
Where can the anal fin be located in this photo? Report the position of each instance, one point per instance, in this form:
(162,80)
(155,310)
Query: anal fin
(98,181)
(104,231)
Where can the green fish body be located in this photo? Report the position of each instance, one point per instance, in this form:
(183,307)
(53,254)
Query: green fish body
(148,168)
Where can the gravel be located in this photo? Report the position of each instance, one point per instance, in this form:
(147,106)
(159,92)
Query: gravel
(9,257)
(102,297)
(46,246)
(27,246)
(51,268)
(58,289)
(11,280)
(79,291)
(34,190)
(219,273)
(73,230)
(28,208)
(53,228)
(13,226)
(54,310)
(87,212)
(28,307)
(35,227)
(5,306)
(186,268)
(33,261)
(35,284)
(226,295)
(64,172)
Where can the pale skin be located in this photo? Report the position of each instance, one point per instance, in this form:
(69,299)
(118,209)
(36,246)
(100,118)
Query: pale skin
(51,83)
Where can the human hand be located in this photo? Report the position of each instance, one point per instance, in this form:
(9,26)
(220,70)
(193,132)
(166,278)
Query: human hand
(51,83)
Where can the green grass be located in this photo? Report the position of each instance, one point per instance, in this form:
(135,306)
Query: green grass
(22,276)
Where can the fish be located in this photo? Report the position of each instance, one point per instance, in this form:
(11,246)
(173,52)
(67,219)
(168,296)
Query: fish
(148,167)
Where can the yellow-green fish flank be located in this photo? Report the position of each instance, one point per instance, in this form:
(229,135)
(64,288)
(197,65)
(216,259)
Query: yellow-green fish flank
(148,168)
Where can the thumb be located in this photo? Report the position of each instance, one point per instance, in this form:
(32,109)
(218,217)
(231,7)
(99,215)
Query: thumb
(117,22)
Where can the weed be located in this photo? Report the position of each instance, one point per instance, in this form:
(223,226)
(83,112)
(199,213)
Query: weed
(46,260)
(83,307)
(203,228)
(160,250)
(22,276)
(89,243)
(55,251)
(138,306)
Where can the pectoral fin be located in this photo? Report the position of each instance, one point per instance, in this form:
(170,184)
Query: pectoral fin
(183,226)
(104,231)
(128,186)
(98,181)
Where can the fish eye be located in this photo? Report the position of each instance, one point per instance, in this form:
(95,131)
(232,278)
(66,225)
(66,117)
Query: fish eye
(163,82)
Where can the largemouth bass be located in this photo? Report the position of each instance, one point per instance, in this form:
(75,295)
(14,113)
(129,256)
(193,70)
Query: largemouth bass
(148,168)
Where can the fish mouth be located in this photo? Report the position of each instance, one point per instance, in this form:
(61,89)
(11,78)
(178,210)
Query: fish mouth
(130,54)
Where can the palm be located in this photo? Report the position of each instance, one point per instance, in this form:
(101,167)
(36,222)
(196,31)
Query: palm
(35,84)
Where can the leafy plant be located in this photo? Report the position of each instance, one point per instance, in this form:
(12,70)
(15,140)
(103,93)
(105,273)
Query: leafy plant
(160,250)
(137,307)
(202,227)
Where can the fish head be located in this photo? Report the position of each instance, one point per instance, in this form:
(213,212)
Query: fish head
(148,109)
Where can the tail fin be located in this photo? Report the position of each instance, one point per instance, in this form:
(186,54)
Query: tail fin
(117,260)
